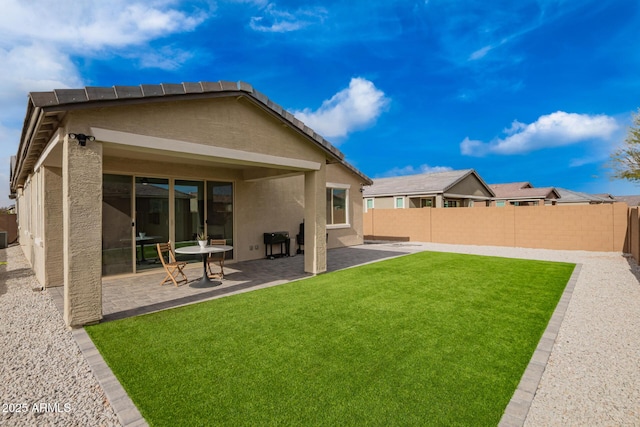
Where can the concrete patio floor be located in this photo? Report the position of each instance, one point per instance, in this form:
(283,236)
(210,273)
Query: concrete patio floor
(136,294)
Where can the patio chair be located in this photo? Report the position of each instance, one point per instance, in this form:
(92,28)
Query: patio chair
(171,266)
(216,258)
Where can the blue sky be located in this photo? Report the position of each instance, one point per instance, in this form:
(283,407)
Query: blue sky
(539,91)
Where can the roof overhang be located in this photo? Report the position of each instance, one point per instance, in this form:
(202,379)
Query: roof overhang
(46,110)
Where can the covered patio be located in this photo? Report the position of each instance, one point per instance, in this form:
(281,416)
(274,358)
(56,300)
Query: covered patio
(136,294)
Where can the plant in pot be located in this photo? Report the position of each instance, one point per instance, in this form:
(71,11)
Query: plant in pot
(202,239)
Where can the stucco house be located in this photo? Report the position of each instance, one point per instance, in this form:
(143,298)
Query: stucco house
(100,171)
(570,197)
(457,188)
(523,194)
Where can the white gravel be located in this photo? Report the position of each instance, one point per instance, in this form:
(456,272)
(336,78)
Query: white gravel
(44,379)
(592,377)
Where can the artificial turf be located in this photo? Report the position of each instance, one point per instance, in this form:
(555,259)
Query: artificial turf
(424,339)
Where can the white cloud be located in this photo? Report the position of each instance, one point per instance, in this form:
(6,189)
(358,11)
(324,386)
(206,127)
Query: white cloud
(274,20)
(480,53)
(553,130)
(38,40)
(165,58)
(410,170)
(353,108)
(91,25)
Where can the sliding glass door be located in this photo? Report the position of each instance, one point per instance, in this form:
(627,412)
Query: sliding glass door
(220,212)
(189,211)
(117,249)
(151,220)
(137,213)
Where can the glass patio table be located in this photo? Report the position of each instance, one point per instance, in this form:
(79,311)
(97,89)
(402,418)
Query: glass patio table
(205,281)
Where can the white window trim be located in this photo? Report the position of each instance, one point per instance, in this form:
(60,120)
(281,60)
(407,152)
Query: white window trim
(345,187)
(395,202)
(366,202)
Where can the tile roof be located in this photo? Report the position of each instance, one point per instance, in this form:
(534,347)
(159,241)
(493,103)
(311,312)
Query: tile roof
(90,96)
(428,183)
(520,190)
(570,196)
(629,200)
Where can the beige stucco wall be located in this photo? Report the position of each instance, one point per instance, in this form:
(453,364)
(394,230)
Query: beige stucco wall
(383,203)
(221,122)
(585,227)
(351,235)
(471,186)
(68,186)
(53,227)
(259,206)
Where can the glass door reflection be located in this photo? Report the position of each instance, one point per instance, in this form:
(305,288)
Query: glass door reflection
(220,212)
(152,220)
(117,250)
(189,211)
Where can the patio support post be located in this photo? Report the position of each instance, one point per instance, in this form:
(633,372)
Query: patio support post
(315,221)
(82,232)
(439,201)
(53,229)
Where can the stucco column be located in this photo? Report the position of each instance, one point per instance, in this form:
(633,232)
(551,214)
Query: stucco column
(439,201)
(53,235)
(315,221)
(82,232)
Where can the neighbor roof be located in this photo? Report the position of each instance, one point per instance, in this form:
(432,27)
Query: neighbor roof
(570,196)
(44,108)
(523,190)
(629,200)
(428,183)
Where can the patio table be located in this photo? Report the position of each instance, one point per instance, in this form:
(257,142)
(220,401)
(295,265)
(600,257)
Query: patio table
(143,240)
(205,281)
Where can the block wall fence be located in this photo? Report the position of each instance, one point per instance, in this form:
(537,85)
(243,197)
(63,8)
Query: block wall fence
(9,224)
(606,227)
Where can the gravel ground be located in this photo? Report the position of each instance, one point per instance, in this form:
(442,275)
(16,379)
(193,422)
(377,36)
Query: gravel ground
(592,377)
(44,379)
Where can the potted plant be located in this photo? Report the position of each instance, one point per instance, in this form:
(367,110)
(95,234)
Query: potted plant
(202,239)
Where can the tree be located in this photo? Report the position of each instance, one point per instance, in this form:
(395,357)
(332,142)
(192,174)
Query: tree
(626,159)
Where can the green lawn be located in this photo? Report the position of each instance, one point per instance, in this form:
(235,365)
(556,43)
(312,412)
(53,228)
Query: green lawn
(425,339)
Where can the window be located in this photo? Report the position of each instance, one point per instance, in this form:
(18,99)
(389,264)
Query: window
(399,203)
(451,203)
(426,203)
(500,203)
(337,206)
(369,204)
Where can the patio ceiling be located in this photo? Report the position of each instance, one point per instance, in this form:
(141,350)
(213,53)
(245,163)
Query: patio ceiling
(145,148)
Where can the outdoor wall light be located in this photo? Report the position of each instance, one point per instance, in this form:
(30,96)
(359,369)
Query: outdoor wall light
(82,138)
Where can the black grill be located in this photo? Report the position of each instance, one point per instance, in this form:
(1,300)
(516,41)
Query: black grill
(277,238)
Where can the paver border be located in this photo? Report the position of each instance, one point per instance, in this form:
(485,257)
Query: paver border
(122,405)
(120,402)
(518,408)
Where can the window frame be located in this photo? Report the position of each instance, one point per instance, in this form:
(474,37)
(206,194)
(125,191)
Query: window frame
(330,186)
(366,203)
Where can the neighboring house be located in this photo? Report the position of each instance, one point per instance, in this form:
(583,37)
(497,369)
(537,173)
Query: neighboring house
(98,166)
(459,188)
(523,194)
(631,201)
(570,197)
